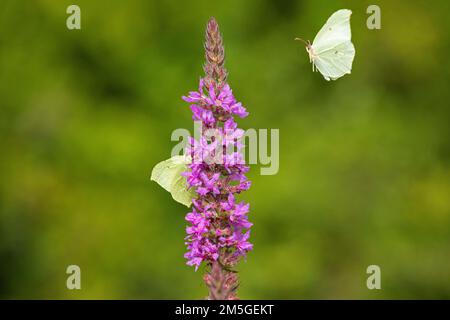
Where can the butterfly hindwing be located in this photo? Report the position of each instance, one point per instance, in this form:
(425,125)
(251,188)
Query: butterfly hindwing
(180,193)
(336,62)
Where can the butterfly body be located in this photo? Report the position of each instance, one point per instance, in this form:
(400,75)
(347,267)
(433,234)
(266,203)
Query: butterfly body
(312,54)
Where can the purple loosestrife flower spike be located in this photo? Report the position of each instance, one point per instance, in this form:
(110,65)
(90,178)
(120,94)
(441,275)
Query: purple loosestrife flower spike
(218,228)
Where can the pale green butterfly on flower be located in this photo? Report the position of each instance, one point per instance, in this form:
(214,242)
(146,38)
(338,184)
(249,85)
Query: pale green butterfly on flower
(332,51)
(167,174)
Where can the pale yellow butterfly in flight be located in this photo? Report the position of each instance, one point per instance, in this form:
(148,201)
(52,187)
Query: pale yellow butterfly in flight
(332,51)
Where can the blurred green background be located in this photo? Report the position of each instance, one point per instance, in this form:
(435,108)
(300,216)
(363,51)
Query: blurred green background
(364,161)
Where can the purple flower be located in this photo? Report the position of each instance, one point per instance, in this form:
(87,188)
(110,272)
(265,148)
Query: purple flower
(209,184)
(206,116)
(242,244)
(195,96)
(239,216)
(218,226)
(223,103)
(229,204)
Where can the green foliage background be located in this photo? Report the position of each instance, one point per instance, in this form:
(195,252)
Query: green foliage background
(364,166)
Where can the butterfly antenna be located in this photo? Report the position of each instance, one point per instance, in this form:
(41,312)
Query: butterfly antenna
(300,39)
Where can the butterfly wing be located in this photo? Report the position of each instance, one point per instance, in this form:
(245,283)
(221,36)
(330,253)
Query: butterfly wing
(335,31)
(167,174)
(333,51)
(180,193)
(335,62)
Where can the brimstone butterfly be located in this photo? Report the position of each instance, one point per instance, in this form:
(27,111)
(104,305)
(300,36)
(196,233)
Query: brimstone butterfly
(332,51)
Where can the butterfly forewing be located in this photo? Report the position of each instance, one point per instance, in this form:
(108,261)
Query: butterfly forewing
(335,31)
